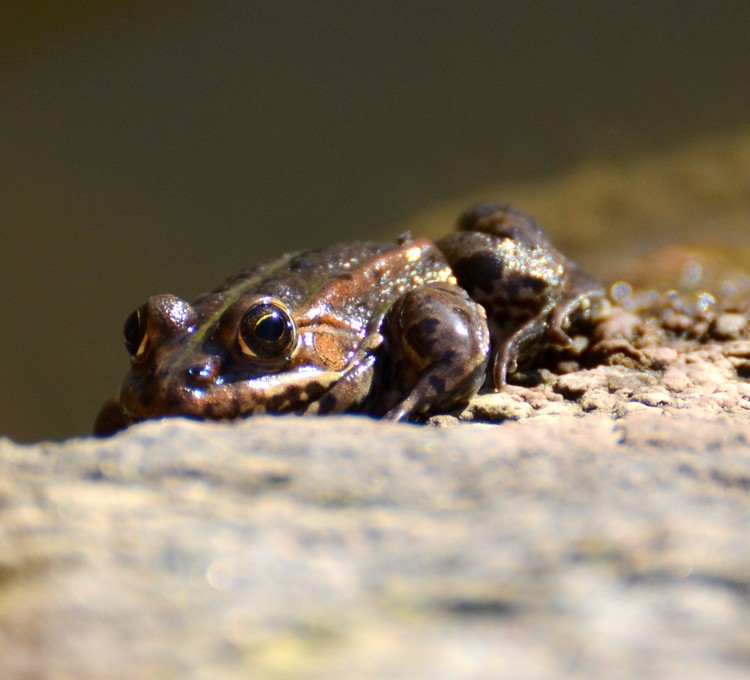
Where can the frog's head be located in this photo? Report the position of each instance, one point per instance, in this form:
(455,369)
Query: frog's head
(219,359)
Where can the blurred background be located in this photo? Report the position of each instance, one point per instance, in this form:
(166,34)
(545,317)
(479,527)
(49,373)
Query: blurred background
(162,146)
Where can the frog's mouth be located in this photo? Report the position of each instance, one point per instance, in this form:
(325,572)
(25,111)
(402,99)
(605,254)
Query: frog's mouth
(304,390)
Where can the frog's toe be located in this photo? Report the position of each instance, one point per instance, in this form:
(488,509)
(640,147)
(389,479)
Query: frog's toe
(398,414)
(518,345)
(556,332)
(505,363)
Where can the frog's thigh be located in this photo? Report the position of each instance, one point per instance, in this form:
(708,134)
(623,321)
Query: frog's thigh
(441,336)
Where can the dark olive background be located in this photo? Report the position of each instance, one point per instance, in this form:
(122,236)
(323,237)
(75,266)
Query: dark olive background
(161,146)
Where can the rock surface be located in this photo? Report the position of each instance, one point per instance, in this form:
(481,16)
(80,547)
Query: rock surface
(556,546)
(591,524)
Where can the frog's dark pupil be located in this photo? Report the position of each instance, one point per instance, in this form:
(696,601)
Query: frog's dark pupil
(267,331)
(271,327)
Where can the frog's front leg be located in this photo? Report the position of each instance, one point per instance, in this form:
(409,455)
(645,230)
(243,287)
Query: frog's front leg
(439,349)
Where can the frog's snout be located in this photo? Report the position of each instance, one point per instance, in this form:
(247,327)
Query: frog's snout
(171,321)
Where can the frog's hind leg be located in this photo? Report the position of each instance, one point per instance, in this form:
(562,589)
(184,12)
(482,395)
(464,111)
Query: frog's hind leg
(504,221)
(439,343)
(547,327)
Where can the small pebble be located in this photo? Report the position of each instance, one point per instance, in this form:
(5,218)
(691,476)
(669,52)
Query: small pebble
(675,379)
(660,357)
(598,400)
(653,397)
(678,323)
(633,406)
(729,326)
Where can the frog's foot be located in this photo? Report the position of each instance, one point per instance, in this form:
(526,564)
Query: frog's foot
(441,347)
(505,361)
(582,299)
(548,327)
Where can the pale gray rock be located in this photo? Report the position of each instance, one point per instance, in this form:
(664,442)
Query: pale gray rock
(563,544)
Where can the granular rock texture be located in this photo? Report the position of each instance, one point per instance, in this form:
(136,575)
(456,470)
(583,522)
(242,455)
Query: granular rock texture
(640,366)
(674,350)
(554,547)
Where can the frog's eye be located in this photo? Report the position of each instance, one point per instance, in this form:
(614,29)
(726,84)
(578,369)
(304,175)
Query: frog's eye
(135,333)
(267,331)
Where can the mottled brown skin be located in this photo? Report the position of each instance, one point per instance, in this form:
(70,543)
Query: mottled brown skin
(395,330)
(530,290)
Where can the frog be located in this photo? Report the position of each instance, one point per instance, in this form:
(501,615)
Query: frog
(401,330)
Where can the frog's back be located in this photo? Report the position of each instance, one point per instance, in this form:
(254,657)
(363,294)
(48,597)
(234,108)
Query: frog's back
(294,276)
(357,279)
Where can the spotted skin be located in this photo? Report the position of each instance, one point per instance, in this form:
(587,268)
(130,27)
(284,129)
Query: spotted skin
(394,330)
(529,290)
(433,329)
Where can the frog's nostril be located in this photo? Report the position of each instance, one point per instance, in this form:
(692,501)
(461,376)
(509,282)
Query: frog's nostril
(202,373)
